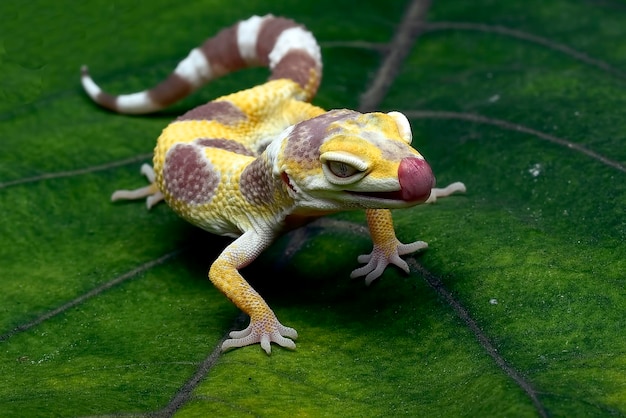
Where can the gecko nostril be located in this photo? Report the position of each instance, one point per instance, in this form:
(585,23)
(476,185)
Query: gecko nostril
(416,179)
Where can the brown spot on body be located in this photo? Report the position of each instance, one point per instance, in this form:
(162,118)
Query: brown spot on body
(256,183)
(223,112)
(268,34)
(225,144)
(188,175)
(222,51)
(171,90)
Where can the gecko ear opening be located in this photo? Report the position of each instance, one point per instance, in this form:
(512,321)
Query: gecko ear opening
(404,127)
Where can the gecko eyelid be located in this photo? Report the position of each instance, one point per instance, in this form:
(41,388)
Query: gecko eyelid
(344,157)
(342,168)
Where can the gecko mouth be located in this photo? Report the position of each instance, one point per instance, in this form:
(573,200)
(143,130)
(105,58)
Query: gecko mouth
(395,195)
(416,182)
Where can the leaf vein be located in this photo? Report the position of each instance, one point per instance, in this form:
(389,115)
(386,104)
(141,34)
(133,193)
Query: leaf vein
(403,40)
(73,173)
(437,285)
(88,295)
(525,36)
(511,126)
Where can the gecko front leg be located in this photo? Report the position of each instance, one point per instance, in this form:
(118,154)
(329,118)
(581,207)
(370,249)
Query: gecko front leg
(264,327)
(456,187)
(151,192)
(387,248)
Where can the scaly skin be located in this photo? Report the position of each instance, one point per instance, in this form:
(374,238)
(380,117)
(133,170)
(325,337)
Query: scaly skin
(258,162)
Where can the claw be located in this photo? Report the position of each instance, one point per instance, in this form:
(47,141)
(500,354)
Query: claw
(260,331)
(378,260)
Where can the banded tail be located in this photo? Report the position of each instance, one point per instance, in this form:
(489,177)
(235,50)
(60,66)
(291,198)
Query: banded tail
(287,48)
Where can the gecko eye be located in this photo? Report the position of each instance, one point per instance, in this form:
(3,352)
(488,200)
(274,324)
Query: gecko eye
(343,168)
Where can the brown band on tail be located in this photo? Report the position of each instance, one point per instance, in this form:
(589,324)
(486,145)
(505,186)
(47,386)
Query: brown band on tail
(222,51)
(300,67)
(106,100)
(268,35)
(171,90)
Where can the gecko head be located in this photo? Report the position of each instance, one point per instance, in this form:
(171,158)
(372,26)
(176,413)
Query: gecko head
(344,159)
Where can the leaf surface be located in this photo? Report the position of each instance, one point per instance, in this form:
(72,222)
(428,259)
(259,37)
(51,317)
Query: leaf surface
(516,308)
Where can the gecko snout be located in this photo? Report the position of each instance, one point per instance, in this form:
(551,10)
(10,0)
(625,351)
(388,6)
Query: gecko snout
(416,179)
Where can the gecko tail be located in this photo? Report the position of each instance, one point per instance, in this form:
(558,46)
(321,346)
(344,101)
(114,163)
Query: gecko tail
(286,47)
(136,103)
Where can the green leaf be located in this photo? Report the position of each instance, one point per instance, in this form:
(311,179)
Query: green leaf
(517,308)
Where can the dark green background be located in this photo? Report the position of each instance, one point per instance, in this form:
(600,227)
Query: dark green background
(516,309)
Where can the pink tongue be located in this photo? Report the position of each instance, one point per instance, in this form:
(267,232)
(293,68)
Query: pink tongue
(416,179)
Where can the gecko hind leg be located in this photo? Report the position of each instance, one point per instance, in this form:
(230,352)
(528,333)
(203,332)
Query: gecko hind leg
(151,192)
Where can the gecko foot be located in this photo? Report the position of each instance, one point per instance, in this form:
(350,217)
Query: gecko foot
(263,331)
(152,193)
(380,257)
(456,187)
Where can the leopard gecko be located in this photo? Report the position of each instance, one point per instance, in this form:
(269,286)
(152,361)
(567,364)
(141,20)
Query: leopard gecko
(259,162)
